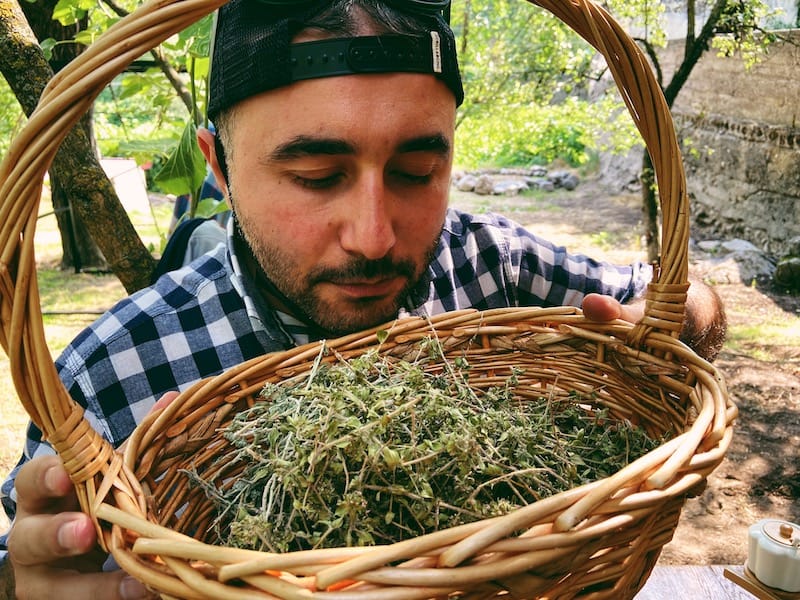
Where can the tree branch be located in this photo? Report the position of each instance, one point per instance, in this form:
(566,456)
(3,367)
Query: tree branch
(167,69)
(694,51)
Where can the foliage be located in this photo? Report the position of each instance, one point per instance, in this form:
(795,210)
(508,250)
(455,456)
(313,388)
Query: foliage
(516,52)
(374,450)
(571,131)
(11,117)
(127,126)
(530,89)
(740,31)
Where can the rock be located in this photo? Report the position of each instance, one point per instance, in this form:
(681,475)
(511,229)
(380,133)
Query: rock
(744,266)
(793,246)
(510,181)
(541,183)
(737,245)
(787,273)
(538,171)
(710,246)
(510,187)
(509,171)
(484,185)
(564,179)
(466,183)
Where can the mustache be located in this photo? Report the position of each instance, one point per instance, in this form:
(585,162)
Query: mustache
(362,268)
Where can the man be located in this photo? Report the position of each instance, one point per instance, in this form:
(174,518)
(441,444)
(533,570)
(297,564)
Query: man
(337,174)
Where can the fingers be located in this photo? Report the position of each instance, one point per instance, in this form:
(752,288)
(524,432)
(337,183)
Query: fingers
(165,400)
(43,485)
(97,586)
(44,538)
(597,307)
(53,548)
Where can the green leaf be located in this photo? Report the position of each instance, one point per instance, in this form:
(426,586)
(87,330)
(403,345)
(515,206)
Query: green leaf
(197,37)
(201,65)
(185,169)
(382,335)
(68,12)
(47,47)
(85,37)
(210,207)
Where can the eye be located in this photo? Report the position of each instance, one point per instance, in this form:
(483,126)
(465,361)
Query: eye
(414,178)
(415,170)
(316,181)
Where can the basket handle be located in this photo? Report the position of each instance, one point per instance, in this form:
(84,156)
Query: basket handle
(665,300)
(67,97)
(70,94)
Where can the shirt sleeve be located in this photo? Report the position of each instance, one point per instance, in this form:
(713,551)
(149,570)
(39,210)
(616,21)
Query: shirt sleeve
(549,275)
(488,261)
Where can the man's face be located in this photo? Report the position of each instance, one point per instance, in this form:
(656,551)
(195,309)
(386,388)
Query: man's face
(340,186)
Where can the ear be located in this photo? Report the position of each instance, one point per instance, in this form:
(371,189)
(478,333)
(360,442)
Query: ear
(207,143)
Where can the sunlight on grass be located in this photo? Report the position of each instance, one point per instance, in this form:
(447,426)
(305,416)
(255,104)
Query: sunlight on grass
(757,340)
(13,420)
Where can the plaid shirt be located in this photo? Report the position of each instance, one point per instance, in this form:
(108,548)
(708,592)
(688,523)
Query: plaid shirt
(207,317)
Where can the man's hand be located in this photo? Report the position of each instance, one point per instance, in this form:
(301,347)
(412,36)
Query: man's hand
(704,325)
(52,546)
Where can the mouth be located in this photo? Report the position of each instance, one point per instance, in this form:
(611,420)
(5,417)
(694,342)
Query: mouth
(370,289)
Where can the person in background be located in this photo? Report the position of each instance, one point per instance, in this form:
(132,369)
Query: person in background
(337,175)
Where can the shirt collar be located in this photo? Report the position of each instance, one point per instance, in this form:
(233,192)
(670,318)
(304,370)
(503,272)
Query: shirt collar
(262,316)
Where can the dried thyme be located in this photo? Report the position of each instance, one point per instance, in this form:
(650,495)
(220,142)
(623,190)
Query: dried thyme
(374,450)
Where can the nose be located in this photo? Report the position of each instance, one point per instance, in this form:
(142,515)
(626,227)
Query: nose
(368,227)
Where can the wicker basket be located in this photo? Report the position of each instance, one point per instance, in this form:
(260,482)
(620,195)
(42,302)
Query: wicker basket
(597,541)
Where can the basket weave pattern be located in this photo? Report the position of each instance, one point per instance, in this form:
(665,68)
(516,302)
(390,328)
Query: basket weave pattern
(597,541)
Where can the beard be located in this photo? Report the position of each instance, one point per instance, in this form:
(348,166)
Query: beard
(335,316)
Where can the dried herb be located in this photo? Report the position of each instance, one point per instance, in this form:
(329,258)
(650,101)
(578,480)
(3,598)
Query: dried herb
(376,450)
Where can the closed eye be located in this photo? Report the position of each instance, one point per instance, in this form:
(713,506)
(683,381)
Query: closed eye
(318,183)
(416,168)
(413,178)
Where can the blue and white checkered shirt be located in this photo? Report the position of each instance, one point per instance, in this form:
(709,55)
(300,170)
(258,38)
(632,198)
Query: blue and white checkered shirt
(206,317)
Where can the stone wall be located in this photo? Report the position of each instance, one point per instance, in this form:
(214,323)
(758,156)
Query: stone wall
(741,134)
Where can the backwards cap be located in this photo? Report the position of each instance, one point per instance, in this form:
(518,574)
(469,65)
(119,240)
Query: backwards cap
(253,52)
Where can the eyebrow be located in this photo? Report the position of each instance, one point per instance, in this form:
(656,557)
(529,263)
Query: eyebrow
(302,146)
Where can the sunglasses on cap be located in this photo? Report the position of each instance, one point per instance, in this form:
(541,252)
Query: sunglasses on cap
(425,7)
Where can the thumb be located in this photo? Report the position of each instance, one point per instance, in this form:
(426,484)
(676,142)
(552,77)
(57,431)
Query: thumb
(597,307)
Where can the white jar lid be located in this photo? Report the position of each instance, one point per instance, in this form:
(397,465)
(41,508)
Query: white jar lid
(774,554)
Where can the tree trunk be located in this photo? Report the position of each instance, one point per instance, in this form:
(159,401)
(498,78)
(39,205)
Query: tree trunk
(695,47)
(78,249)
(650,210)
(76,166)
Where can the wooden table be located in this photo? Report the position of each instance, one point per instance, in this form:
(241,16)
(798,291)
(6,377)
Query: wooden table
(695,583)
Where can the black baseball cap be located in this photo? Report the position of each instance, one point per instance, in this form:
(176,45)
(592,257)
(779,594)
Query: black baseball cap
(252,51)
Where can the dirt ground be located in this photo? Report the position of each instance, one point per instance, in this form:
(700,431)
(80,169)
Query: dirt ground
(760,476)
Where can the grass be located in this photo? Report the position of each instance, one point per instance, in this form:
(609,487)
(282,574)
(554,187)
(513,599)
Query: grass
(504,205)
(764,341)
